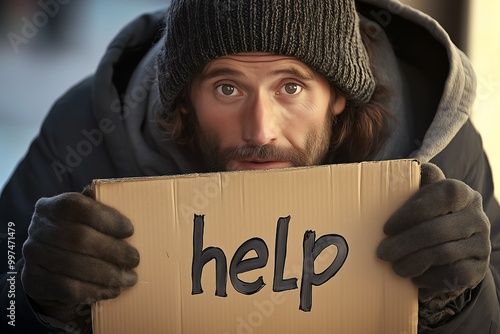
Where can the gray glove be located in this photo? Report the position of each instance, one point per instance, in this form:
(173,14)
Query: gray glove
(75,255)
(440,239)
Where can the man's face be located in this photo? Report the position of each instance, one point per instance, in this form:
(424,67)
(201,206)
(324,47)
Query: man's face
(260,111)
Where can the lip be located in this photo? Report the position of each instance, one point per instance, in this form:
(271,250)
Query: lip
(259,164)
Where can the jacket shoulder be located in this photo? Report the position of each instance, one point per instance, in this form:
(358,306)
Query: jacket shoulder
(75,139)
(464,159)
(73,106)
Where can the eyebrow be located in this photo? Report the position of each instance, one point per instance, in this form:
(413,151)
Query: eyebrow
(219,71)
(303,74)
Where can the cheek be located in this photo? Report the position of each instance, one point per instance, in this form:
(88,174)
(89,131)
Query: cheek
(216,121)
(308,116)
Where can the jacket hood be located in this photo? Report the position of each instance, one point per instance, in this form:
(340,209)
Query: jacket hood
(438,84)
(431,81)
(125,94)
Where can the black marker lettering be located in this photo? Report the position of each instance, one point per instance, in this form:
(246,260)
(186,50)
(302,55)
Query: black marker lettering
(311,250)
(279,284)
(201,257)
(238,265)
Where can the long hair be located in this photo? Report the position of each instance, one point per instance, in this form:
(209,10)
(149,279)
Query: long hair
(358,132)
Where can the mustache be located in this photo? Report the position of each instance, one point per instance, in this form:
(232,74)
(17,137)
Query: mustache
(265,152)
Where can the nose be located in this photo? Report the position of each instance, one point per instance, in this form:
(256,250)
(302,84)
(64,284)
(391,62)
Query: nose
(260,121)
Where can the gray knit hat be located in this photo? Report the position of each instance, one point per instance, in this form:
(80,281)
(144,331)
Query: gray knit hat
(323,34)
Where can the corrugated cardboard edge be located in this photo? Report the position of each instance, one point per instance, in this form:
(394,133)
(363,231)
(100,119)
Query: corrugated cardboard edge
(193,175)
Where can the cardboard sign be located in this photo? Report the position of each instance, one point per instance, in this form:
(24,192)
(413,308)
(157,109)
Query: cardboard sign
(277,251)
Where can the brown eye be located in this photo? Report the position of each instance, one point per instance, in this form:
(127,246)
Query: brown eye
(291,88)
(227,90)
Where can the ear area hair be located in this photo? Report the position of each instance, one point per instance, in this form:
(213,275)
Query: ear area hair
(182,108)
(338,103)
(183,102)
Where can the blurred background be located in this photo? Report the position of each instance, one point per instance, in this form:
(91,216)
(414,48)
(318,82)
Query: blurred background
(63,52)
(74,34)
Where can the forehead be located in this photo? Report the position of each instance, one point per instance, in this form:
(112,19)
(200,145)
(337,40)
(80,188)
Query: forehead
(259,60)
(252,57)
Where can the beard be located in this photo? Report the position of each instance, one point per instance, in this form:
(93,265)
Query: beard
(218,159)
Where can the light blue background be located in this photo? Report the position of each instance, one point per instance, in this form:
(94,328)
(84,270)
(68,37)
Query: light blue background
(30,81)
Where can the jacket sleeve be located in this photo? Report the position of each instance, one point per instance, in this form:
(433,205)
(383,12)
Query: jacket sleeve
(464,159)
(63,157)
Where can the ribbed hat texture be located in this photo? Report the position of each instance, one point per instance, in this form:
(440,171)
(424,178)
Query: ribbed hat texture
(323,34)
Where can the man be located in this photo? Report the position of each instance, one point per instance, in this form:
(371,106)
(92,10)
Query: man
(232,85)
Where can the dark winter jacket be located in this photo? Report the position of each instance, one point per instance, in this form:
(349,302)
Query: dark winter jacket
(104,127)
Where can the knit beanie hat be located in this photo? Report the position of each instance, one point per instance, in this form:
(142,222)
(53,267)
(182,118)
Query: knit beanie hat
(323,34)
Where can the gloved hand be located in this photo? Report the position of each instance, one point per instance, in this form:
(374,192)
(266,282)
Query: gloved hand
(440,239)
(75,255)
